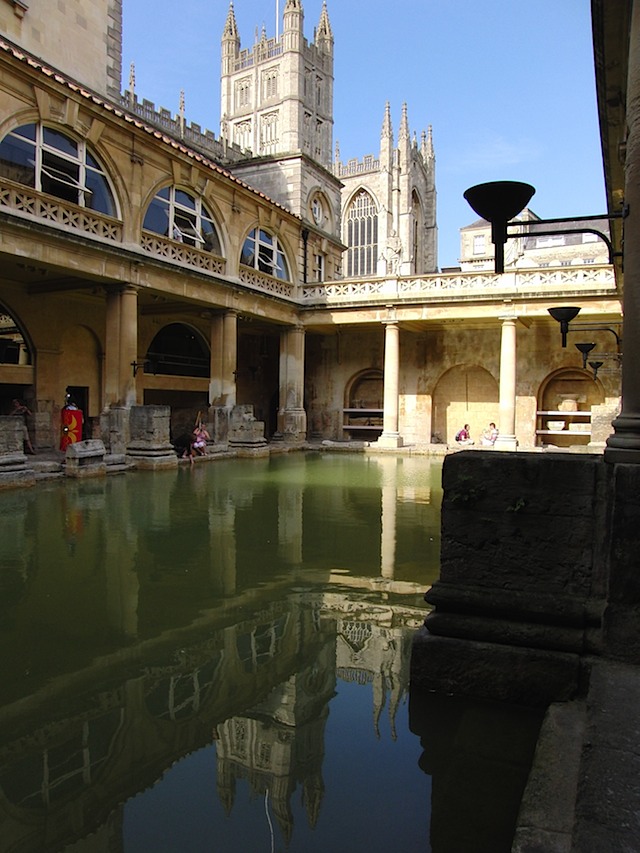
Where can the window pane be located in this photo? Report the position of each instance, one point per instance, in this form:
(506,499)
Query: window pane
(211,241)
(17,160)
(266,238)
(185,200)
(157,217)
(248,252)
(60,141)
(59,177)
(27,131)
(100,198)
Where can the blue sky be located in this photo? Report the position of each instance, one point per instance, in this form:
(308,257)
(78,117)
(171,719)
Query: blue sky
(508,86)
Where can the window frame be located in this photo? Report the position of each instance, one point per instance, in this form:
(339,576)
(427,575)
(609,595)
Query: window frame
(181,217)
(71,166)
(262,251)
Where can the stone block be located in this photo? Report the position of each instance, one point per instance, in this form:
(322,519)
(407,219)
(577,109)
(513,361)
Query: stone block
(85,459)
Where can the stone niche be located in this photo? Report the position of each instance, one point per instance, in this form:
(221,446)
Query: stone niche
(149,438)
(523,582)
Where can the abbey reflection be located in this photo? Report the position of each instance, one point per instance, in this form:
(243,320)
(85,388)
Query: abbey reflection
(105,685)
(260,688)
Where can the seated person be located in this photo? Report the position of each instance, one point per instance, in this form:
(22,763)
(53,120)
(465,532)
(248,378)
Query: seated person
(464,435)
(489,435)
(199,443)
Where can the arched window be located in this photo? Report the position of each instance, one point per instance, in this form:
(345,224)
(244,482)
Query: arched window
(362,235)
(177,350)
(177,214)
(262,252)
(52,162)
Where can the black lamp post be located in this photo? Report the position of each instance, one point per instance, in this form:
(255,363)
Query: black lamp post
(564,314)
(498,202)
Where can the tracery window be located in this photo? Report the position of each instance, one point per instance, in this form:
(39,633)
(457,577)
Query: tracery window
(243,92)
(242,134)
(270,83)
(268,133)
(177,214)
(362,235)
(262,251)
(52,162)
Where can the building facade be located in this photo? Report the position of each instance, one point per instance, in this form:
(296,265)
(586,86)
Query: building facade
(149,263)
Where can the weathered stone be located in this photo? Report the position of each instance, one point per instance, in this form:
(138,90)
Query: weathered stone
(85,459)
(149,445)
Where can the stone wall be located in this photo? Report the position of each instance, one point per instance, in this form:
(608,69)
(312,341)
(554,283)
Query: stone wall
(524,576)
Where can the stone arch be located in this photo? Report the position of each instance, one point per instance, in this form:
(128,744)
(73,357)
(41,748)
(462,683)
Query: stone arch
(566,391)
(16,360)
(465,394)
(178,349)
(365,390)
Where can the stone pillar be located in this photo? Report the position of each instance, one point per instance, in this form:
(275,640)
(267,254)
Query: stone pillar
(216,343)
(128,345)
(292,418)
(507,415)
(112,349)
(229,359)
(390,436)
(624,444)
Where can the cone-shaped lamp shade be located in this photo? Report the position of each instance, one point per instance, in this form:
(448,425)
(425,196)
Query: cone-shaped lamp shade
(498,202)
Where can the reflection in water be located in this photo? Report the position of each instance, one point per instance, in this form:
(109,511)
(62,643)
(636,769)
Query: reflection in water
(216,658)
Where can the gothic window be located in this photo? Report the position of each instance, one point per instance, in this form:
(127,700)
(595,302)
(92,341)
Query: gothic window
(268,133)
(181,216)
(242,134)
(318,91)
(270,83)
(262,252)
(417,247)
(362,235)
(243,93)
(52,162)
(318,138)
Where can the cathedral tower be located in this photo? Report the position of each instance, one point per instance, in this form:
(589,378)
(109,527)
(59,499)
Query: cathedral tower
(277,105)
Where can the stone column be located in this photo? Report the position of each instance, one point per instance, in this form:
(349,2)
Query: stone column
(112,349)
(390,436)
(507,415)
(624,444)
(216,343)
(229,359)
(292,418)
(128,345)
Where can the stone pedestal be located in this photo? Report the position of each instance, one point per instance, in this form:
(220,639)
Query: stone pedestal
(149,445)
(244,429)
(14,467)
(114,429)
(85,459)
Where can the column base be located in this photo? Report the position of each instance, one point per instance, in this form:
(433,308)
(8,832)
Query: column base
(624,444)
(506,442)
(390,439)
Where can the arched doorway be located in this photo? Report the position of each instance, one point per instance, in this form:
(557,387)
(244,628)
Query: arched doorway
(465,394)
(180,353)
(16,365)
